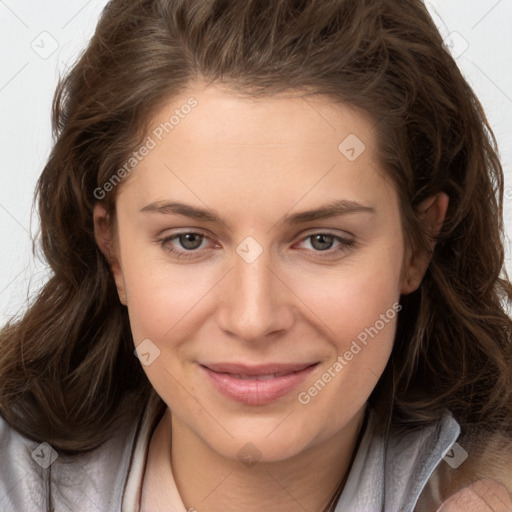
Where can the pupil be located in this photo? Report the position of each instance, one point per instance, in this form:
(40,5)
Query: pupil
(322,239)
(188,242)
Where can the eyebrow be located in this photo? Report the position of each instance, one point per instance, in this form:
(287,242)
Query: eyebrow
(334,209)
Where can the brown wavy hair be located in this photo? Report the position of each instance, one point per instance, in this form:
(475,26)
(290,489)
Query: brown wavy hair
(68,373)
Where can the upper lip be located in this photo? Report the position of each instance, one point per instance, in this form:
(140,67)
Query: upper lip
(261,369)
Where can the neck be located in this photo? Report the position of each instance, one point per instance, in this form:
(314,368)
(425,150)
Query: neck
(209,482)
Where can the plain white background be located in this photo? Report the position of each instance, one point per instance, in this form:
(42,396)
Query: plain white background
(39,40)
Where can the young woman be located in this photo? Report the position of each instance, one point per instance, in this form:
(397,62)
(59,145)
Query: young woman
(275,231)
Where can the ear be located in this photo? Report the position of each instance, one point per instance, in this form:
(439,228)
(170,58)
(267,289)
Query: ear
(109,247)
(432,212)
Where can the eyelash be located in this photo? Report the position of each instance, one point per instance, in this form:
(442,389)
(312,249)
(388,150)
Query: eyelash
(346,244)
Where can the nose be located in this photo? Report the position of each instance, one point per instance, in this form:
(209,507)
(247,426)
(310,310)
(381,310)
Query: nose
(255,302)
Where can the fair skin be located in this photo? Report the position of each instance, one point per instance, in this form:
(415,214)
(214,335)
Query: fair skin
(482,496)
(253,161)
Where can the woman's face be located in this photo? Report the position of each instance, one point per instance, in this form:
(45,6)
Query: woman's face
(286,249)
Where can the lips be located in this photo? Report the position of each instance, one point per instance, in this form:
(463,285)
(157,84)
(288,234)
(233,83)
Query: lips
(276,369)
(256,384)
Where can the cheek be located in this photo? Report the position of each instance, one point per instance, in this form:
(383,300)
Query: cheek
(162,296)
(362,337)
(357,310)
(353,297)
(164,304)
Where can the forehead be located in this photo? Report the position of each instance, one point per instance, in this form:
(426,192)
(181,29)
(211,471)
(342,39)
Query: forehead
(209,142)
(276,119)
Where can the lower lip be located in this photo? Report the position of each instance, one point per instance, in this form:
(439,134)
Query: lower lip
(257,392)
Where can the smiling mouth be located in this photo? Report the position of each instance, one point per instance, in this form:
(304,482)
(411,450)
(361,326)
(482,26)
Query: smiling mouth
(261,370)
(257,385)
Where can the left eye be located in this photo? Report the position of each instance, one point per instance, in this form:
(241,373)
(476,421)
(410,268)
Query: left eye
(322,244)
(190,241)
(321,241)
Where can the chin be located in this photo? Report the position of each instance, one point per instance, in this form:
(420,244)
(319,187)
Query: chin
(261,445)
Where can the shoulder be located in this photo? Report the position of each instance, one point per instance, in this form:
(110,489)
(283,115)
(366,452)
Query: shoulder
(390,471)
(413,456)
(20,474)
(483,466)
(33,474)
